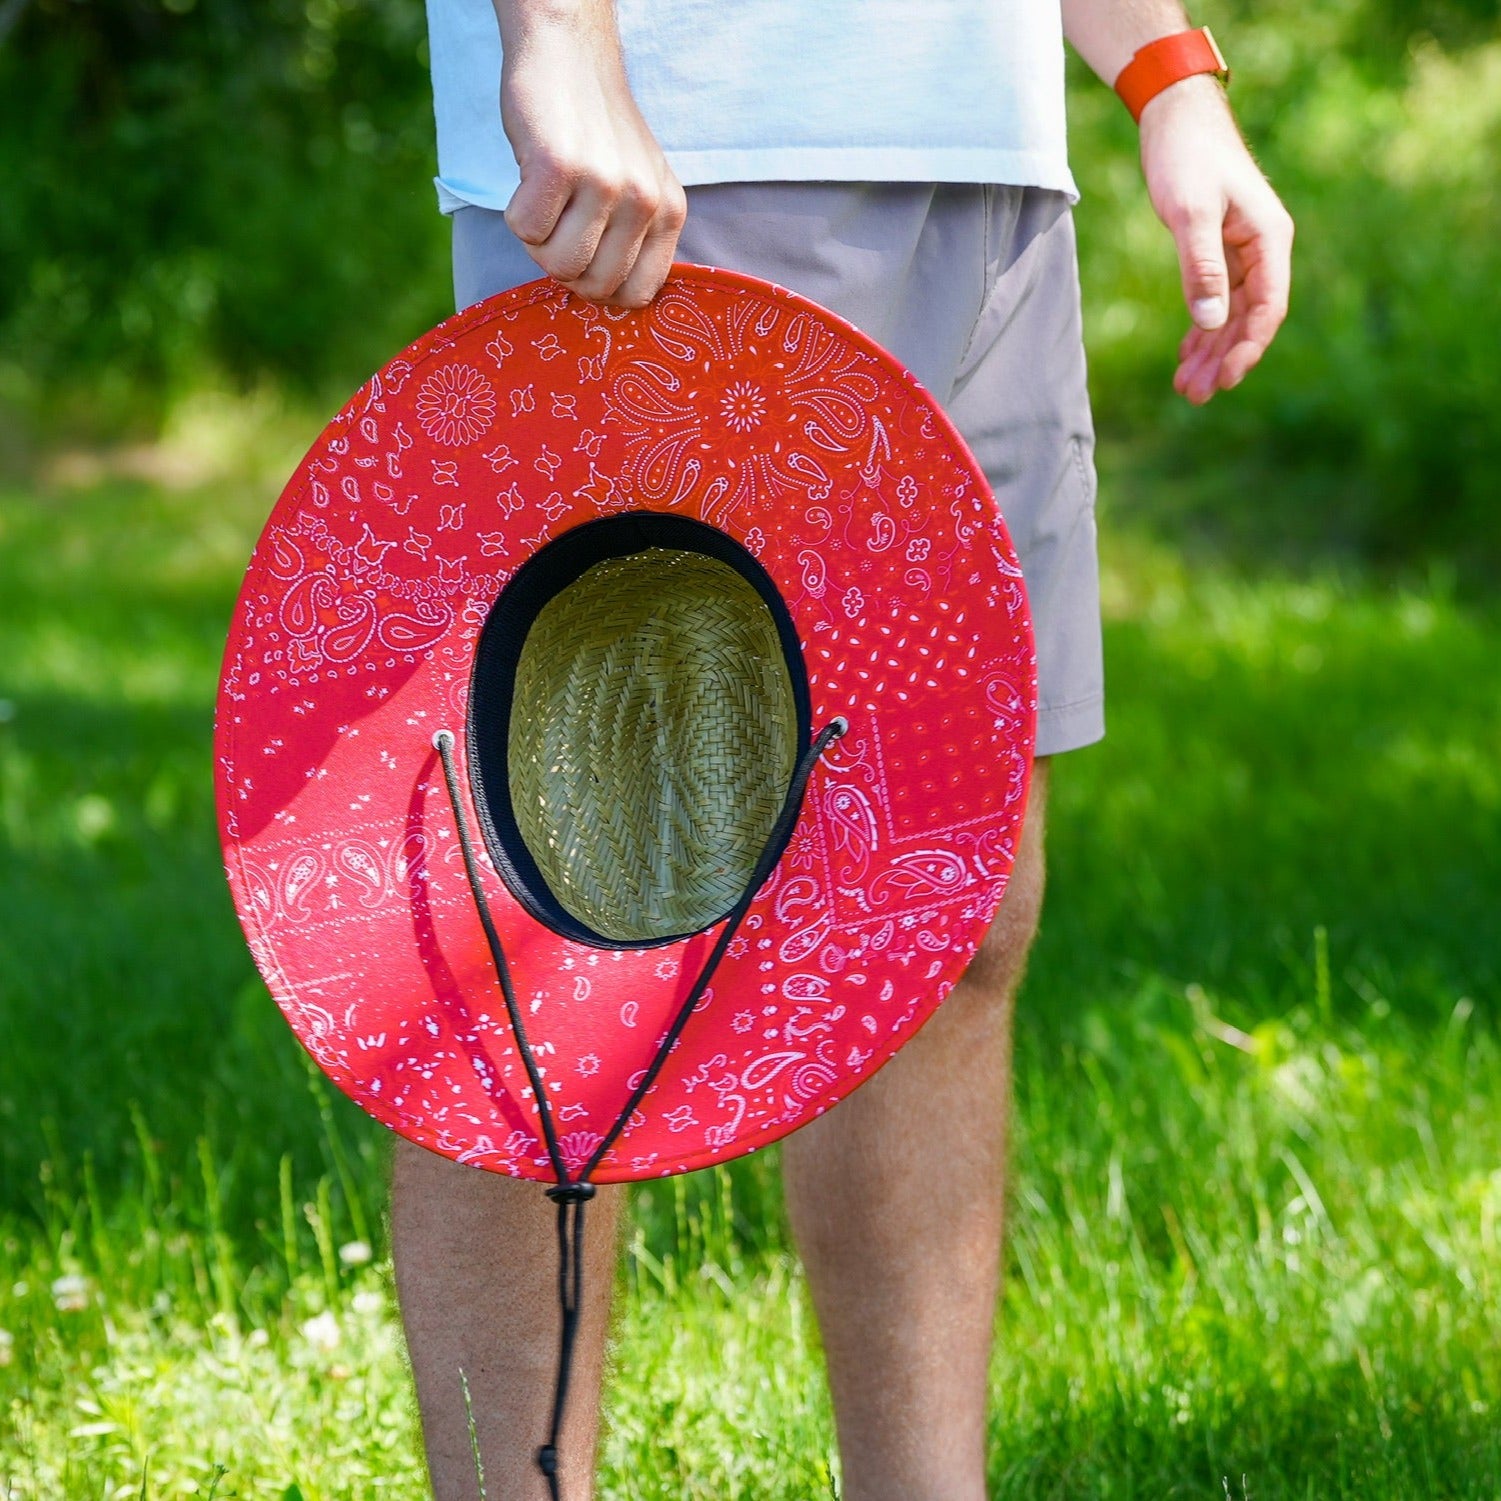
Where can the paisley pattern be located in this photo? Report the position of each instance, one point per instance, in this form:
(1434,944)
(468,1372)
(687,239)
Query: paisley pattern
(728,400)
(455,406)
(741,375)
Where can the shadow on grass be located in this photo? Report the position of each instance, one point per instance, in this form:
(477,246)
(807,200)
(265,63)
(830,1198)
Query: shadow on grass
(1341,1433)
(126,988)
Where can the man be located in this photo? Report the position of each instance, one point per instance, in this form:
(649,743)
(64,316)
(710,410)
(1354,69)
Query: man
(904,165)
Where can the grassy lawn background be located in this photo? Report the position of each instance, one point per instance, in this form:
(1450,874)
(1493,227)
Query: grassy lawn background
(1258,1143)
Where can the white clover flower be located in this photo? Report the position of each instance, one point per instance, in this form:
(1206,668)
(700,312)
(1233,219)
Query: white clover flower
(70,1294)
(367,1302)
(322,1332)
(356,1253)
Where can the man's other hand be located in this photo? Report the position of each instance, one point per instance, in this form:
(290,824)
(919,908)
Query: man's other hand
(1233,235)
(598,206)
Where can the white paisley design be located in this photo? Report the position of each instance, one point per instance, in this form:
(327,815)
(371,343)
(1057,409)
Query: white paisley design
(788,398)
(456,405)
(744,406)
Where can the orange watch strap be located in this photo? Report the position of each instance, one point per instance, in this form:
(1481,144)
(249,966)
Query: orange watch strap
(1164,62)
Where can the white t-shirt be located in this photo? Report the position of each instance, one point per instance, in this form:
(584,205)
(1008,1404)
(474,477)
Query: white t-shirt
(753,90)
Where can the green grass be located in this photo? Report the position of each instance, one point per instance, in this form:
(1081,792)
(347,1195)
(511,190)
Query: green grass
(1258,1145)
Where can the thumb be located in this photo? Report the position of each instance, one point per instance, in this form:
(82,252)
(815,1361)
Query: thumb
(1199,235)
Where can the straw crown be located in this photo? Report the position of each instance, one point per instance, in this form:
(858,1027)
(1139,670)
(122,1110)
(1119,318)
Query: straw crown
(652,735)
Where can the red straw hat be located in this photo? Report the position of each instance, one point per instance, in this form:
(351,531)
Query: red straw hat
(631,711)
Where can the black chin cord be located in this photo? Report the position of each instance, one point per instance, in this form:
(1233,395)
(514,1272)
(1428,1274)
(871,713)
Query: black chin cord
(570,1199)
(571,1192)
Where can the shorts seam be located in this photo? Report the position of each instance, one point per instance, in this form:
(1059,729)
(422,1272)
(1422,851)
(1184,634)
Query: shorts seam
(1073,703)
(987,286)
(1082,469)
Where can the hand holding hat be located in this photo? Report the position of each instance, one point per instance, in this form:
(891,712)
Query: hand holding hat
(598,206)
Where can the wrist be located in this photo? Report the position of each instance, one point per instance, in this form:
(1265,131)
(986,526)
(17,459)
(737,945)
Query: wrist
(1196,95)
(1156,66)
(520,19)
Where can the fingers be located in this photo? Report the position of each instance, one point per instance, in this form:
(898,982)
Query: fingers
(1198,233)
(609,238)
(536,205)
(615,254)
(1259,262)
(657,251)
(1200,361)
(1268,283)
(595,241)
(1219,359)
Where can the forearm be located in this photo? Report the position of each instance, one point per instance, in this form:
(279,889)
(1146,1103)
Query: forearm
(598,206)
(1105,33)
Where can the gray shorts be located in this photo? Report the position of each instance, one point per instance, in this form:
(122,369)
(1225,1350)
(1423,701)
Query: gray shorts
(976,290)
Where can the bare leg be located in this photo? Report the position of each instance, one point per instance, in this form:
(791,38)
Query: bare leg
(477,1273)
(895,1201)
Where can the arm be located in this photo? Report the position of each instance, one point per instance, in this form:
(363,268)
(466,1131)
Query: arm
(1233,236)
(598,206)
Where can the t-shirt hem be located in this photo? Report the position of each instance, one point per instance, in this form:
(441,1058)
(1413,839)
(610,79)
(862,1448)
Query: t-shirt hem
(823,164)
(454,196)
(874,164)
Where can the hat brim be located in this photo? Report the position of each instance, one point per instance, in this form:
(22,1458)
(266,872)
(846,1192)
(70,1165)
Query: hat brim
(730,402)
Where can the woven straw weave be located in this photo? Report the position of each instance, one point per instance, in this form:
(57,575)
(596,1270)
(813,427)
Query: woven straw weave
(653,735)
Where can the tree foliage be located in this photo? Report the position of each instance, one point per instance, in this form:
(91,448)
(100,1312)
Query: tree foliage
(240,185)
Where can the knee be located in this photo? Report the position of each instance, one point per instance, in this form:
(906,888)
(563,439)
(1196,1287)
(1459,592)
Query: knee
(1001,959)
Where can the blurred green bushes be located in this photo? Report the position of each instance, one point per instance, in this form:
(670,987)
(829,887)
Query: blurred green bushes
(195,189)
